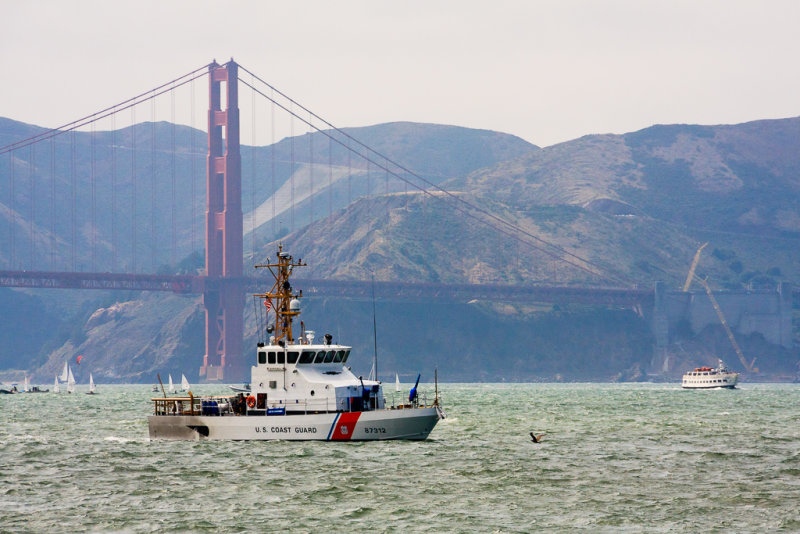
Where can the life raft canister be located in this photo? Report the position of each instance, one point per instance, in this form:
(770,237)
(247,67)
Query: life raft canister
(251,401)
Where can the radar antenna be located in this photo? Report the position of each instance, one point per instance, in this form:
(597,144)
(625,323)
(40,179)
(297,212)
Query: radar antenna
(281,297)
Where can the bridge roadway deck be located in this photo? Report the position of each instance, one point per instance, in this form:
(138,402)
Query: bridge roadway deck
(192,284)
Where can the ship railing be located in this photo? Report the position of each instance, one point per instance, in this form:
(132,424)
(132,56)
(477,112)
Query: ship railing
(330,405)
(303,405)
(191,405)
(420,401)
(318,405)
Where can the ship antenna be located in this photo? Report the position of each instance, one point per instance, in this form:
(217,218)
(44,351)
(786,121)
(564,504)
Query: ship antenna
(374,329)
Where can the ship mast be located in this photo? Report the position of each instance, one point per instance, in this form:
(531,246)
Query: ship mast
(281,297)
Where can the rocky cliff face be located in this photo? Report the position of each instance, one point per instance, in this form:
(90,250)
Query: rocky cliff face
(131,341)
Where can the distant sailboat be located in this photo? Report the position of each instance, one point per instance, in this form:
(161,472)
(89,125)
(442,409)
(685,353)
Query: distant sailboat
(184,383)
(91,385)
(63,377)
(25,385)
(56,389)
(70,381)
(171,388)
(396,383)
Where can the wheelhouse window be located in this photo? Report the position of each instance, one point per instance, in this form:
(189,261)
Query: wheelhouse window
(339,356)
(307,356)
(272,357)
(320,357)
(329,356)
(346,355)
(262,356)
(281,357)
(292,356)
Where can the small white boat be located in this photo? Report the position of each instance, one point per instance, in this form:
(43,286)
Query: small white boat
(301,390)
(185,383)
(64,373)
(245,388)
(171,387)
(70,381)
(91,386)
(56,388)
(710,378)
(396,383)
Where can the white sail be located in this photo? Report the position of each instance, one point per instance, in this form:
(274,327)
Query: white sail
(25,385)
(171,388)
(56,389)
(91,384)
(63,376)
(70,381)
(184,383)
(396,383)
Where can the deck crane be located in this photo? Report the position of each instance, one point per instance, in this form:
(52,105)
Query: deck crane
(704,282)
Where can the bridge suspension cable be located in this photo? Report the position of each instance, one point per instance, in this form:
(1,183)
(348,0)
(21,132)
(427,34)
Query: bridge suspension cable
(505,227)
(94,117)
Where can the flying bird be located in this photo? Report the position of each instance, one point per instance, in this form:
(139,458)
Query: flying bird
(535,438)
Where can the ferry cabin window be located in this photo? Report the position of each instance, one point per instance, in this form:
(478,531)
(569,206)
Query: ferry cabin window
(262,356)
(271,358)
(346,354)
(339,356)
(320,357)
(307,356)
(281,357)
(329,356)
(292,357)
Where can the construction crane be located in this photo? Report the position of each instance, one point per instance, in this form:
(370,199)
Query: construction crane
(695,261)
(749,366)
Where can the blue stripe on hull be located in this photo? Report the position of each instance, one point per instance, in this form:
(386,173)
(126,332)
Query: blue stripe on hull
(330,432)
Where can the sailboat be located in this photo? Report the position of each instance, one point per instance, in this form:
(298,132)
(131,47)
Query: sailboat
(70,381)
(184,383)
(56,389)
(171,388)
(25,385)
(63,377)
(91,385)
(396,383)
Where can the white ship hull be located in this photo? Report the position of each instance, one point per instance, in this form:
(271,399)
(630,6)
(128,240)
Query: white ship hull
(710,381)
(710,378)
(410,424)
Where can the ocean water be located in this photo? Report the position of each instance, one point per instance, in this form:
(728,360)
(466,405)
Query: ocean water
(615,458)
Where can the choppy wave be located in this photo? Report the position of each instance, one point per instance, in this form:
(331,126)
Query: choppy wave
(615,458)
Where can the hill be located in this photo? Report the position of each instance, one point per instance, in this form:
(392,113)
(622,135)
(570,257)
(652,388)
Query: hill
(599,210)
(135,198)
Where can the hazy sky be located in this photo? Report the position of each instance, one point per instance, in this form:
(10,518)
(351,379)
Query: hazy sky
(547,71)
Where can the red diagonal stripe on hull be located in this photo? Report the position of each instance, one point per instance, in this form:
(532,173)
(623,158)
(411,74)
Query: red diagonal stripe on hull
(346,425)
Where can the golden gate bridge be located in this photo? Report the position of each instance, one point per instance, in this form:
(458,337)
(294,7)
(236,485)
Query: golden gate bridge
(57,228)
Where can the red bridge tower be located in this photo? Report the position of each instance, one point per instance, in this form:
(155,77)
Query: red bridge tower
(223,299)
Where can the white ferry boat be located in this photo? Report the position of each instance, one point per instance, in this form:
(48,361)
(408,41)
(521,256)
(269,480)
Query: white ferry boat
(300,389)
(709,378)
